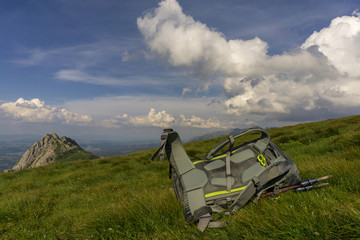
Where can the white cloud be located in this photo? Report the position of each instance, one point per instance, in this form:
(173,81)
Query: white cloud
(166,120)
(160,119)
(198,122)
(137,105)
(320,77)
(37,111)
(79,76)
(81,56)
(186,91)
(35,56)
(76,75)
(340,43)
(184,41)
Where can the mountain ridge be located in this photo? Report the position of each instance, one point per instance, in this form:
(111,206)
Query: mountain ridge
(51,148)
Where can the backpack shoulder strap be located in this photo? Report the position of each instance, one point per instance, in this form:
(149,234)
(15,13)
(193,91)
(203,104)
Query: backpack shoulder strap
(161,149)
(192,180)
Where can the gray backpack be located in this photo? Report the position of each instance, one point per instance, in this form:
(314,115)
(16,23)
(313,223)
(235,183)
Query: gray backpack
(228,176)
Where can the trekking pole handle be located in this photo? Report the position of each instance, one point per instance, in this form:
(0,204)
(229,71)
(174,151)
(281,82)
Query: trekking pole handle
(308,182)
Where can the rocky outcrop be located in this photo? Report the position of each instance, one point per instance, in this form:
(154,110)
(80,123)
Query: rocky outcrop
(51,149)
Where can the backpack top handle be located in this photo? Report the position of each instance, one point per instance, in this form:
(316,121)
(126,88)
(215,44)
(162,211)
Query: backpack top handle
(260,145)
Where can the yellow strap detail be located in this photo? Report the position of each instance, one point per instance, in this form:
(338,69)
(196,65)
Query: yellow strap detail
(224,192)
(214,158)
(262,160)
(223,155)
(196,162)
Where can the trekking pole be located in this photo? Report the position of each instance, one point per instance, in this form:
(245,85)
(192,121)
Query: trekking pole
(305,185)
(314,180)
(309,187)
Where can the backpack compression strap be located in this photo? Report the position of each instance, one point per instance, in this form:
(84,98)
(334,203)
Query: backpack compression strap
(227,163)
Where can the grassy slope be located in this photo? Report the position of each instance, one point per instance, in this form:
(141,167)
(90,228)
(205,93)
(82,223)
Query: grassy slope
(76,154)
(128,197)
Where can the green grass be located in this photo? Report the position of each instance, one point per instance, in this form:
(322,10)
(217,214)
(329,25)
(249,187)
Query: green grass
(128,197)
(76,154)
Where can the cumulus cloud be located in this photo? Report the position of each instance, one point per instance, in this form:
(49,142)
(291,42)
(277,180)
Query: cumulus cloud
(166,120)
(198,122)
(184,41)
(321,76)
(37,111)
(340,43)
(160,119)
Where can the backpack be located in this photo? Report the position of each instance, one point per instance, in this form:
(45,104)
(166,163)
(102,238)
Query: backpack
(228,176)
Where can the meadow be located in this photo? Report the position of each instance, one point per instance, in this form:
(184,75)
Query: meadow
(130,197)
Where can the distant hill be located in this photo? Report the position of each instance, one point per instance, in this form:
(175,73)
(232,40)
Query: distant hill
(51,149)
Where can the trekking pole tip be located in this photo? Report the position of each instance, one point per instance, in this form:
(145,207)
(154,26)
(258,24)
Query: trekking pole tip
(323,178)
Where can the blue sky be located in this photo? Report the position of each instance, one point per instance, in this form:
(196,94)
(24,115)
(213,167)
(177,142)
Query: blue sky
(125,69)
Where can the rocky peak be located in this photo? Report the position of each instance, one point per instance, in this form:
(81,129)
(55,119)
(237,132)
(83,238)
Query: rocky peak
(50,149)
(67,140)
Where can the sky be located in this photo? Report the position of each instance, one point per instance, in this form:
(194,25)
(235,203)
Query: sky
(123,70)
